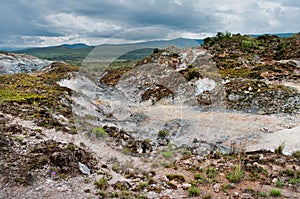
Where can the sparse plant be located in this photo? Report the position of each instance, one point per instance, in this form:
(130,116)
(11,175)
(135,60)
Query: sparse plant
(279,149)
(262,194)
(294,181)
(297,155)
(166,154)
(193,191)
(275,192)
(211,172)
(228,186)
(177,177)
(207,196)
(237,174)
(140,196)
(142,185)
(113,194)
(163,134)
(102,193)
(99,132)
(125,194)
(102,183)
(279,183)
(207,175)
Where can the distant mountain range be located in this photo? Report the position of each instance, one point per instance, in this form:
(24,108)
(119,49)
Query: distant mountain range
(76,53)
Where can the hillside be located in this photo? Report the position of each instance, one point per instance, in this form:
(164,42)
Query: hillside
(73,54)
(214,121)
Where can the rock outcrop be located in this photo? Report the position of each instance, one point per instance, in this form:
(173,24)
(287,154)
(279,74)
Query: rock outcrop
(20,63)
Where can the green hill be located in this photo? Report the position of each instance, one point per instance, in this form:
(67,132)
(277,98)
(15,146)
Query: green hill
(71,54)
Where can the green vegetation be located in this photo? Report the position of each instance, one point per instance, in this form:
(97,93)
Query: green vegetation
(207,196)
(142,185)
(297,155)
(167,154)
(279,149)
(262,194)
(102,183)
(193,191)
(249,43)
(293,181)
(177,177)
(60,53)
(40,92)
(207,175)
(7,95)
(228,186)
(275,192)
(163,134)
(236,175)
(99,132)
(279,183)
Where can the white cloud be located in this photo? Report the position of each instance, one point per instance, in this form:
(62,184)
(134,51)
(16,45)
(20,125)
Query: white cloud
(69,23)
(53,21)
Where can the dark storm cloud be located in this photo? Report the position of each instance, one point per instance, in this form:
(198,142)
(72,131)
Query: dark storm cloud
(48,22)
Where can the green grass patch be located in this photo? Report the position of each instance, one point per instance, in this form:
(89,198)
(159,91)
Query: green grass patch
(193,191)
(275,193)
(99,132)
(236,175)
(177,177)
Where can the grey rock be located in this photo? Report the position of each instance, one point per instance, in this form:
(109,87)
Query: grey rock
(246,196)
(84,169)
(216,188)
(19,63)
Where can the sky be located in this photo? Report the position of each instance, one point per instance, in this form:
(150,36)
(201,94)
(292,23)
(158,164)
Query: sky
(28,23)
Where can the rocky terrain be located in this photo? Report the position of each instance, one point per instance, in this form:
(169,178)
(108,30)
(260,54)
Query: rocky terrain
(20,63)
(215,121)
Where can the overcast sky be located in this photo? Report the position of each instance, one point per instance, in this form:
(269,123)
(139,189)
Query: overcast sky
(53,22)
